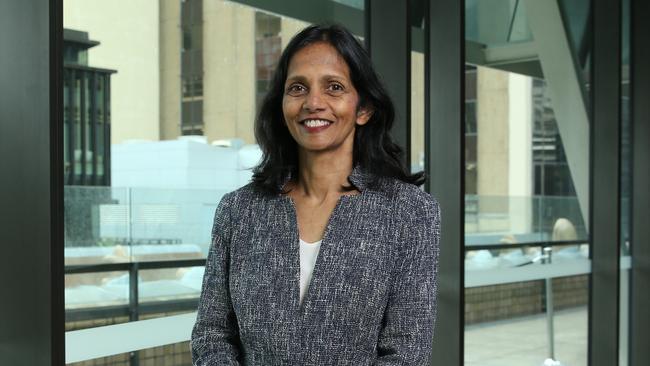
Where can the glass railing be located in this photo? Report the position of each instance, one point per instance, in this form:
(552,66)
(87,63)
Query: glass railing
(510,232)
(515,219)
(115,235)
(108,225)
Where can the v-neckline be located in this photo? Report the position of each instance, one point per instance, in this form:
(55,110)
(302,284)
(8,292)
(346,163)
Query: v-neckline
(322,256)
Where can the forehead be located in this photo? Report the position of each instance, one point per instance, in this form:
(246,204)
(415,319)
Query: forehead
(317,58)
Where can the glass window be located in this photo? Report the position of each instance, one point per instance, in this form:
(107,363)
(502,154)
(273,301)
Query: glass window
(527,194)
(268,47)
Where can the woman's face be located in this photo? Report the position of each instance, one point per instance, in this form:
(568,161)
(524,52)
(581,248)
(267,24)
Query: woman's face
(320,102)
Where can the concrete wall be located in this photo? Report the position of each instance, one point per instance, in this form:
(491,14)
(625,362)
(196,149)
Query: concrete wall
(492,121)
(229,70)
(289,28)
(520,152)
(504,150)
(417,110)
(128,32)
(170,69)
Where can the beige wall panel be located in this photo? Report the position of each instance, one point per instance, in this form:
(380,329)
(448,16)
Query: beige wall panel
(492,119)
(229,70)
(520,135)
(128,32)
(170,69)
(417,107)
(245,77)
(520,159)
(289,28)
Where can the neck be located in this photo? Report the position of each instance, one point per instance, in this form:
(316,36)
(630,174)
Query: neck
(322,174)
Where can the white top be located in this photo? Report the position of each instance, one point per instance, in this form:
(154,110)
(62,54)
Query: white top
(308,255)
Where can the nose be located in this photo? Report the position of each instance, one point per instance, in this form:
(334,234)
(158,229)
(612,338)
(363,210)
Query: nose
(314,101)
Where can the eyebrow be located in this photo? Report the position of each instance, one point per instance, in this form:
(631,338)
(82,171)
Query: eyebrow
(324,77)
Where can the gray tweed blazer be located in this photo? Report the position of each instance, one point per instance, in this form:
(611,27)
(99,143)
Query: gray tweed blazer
(372,297)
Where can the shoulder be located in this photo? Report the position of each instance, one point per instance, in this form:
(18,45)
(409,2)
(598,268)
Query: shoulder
(246,196)
(238,194)
(416,216)
(409,199)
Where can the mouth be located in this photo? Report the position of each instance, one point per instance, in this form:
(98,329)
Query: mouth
(315,122)
(313,125)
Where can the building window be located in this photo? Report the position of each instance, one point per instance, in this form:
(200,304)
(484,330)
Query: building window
(268,47)
(192,67)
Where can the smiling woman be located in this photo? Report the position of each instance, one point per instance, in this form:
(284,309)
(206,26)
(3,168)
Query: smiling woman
(319,94)
(329,255)
(345,73)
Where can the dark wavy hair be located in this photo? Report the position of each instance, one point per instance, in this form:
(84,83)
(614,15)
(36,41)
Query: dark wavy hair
(374,149)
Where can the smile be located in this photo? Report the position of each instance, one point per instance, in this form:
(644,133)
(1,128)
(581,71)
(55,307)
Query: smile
(315,125)
(315,122)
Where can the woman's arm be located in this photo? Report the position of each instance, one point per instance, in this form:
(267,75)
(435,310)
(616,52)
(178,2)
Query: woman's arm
(407,330)
(215,337)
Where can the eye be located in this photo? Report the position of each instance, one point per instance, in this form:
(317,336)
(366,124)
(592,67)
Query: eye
(296,89)
(336,87)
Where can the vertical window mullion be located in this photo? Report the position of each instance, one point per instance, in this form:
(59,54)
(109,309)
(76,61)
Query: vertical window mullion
(605,179)
(444,165)
(640,243)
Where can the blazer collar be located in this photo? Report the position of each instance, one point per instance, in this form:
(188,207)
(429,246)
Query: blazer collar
(359,178)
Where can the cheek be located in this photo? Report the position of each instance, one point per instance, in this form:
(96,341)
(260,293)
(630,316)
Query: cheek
(290,109)
(348,108)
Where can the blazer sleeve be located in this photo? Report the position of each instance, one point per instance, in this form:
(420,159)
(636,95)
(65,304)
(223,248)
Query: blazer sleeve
(215,336)
(406,335)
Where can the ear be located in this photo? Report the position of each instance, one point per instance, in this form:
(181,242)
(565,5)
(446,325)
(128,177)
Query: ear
(363,115)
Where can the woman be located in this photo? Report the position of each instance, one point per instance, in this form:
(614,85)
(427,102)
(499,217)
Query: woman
(304,268)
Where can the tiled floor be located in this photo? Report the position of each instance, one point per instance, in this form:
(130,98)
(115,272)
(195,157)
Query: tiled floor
(524,341)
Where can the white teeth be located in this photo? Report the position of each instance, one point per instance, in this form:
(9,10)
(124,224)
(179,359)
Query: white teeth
(316,123)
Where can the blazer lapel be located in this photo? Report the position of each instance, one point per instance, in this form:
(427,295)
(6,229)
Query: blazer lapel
(326,261)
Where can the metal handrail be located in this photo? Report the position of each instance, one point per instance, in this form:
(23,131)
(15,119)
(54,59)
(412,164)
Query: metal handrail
(133,268)
(128,266)
(541,244)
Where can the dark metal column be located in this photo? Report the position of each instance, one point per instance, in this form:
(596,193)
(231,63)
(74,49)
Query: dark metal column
(640,243)
(388,39)
(134,302)
(57,235)
(83,123)
(31,183)
(444,165)
(71,126)
(107,131)
(605,177)
(92,90)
